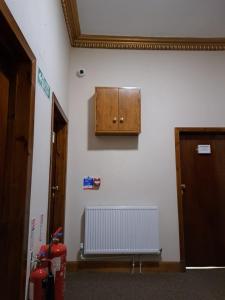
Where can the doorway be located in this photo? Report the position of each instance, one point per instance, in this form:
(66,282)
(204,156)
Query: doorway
(17,87)
(201,195)
(58,163)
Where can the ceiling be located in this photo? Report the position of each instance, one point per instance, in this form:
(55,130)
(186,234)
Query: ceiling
(155,18)
(146,24)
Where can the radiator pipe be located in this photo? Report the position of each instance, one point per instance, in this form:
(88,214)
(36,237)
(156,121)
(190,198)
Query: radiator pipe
(140,265)
(133,265)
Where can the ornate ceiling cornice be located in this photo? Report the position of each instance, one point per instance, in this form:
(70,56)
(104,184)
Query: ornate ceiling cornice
(72,19)
(80,40)
(144,43)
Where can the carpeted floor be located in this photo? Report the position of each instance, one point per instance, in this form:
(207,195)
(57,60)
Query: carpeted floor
(191,285)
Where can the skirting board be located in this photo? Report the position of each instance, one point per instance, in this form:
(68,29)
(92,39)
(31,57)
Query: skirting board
(124,266)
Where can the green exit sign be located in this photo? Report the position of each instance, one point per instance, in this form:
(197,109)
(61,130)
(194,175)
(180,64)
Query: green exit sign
(43,83)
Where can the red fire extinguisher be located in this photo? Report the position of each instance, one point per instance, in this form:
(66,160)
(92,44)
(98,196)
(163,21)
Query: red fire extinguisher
(56,252)
(58,259)
(38,275)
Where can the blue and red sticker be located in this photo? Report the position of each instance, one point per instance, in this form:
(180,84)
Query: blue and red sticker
(91,183)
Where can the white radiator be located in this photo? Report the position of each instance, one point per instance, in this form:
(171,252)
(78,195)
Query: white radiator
(121,230)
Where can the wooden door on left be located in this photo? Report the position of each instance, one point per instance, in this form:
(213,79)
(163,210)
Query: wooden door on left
(17,101)
(58,162)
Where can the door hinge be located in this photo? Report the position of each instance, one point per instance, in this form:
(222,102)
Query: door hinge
(53,137)
(183,187)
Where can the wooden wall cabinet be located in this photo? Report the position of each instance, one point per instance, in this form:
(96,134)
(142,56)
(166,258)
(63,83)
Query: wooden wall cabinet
(117,111)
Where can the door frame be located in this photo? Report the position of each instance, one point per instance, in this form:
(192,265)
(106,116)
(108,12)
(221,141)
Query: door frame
(178,132)
(14,40)
(56,107)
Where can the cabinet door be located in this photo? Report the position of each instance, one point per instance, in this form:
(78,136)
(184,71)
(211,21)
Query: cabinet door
(106,109)
(129,110)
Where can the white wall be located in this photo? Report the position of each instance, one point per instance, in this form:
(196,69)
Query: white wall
(42,23)
(178,89)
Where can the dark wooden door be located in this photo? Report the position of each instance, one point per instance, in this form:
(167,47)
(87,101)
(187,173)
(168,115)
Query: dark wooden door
(57,185)
(17,86)
(16,129)
(203,183)
(4,101)
(54,186)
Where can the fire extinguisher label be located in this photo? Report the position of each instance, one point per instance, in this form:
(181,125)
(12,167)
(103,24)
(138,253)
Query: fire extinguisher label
(31,291)
(56,265)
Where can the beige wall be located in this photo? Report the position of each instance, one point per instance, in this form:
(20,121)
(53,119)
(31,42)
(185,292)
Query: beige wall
(178,89)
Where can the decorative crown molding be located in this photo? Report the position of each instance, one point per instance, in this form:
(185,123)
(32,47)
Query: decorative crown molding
(72,19)
(80,40)
(147,43)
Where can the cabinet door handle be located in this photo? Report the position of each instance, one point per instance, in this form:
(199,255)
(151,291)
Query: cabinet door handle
(121,119)
(114,120)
